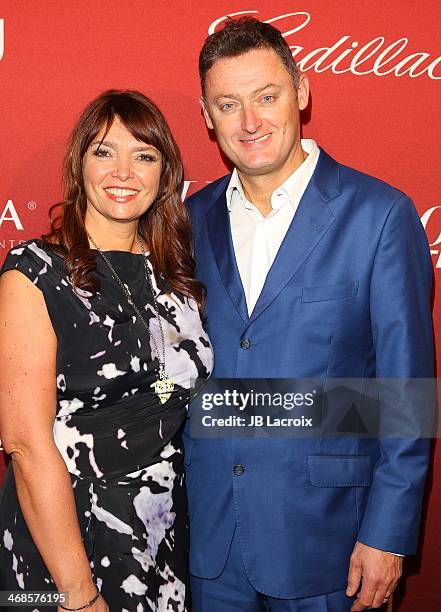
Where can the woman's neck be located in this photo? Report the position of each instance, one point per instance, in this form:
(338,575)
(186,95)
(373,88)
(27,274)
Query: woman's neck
(114,237)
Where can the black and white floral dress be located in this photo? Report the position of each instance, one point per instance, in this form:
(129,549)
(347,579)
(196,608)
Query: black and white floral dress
(121,446)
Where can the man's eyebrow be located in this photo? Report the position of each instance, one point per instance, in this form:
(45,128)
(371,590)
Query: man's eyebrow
(267,86)
(234,96)
(230,96)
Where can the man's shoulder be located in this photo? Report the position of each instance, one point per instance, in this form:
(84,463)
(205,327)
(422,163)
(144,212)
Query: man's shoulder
(367,187)
(201,201)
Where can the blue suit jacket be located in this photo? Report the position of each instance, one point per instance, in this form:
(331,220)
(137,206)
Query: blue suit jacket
(346,297)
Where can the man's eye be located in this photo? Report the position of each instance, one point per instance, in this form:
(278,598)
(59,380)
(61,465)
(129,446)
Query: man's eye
(227,106)
(268,98)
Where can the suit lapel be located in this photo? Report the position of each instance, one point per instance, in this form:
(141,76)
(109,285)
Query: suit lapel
(219,231)
(312,220)
(310,223)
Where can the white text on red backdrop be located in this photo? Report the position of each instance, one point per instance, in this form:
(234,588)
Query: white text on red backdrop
(9,213)
(2,38)
(377,56)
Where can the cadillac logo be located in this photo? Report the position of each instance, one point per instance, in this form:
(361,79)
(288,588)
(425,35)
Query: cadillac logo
(378,56)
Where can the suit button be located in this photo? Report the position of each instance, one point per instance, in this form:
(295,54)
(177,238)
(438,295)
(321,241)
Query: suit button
(245,343)
(238,470)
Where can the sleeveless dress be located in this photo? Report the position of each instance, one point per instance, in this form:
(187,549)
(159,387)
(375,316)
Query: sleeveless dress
(121,446)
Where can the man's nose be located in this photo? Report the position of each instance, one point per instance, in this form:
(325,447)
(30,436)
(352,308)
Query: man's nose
(251,121)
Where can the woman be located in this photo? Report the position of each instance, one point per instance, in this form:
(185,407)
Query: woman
(101,329)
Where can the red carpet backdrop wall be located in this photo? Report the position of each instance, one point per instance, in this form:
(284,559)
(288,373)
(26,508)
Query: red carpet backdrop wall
(375,72)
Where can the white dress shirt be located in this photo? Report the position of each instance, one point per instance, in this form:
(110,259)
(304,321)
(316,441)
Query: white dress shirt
(257,239)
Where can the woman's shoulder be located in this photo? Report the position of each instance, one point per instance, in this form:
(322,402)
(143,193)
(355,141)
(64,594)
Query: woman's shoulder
(33,258)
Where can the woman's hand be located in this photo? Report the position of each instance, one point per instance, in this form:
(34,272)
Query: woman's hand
(81,596)
(99,606)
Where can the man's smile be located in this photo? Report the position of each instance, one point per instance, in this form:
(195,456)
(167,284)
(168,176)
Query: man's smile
(253,141)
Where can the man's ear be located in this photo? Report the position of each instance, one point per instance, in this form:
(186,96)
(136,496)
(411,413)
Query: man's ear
(207,117)
(303,92)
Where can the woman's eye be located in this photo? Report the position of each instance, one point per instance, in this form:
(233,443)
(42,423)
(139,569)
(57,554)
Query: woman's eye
(147,157)
(101,152)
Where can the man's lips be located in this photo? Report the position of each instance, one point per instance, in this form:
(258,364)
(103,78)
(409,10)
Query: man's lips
(252,142)
(121,194)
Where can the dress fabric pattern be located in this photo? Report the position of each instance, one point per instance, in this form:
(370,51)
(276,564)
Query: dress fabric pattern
(122,448)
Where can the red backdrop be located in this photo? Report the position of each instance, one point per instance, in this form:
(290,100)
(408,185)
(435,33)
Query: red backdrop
(375,72)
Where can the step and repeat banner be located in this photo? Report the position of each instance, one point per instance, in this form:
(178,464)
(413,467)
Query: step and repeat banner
(375,74)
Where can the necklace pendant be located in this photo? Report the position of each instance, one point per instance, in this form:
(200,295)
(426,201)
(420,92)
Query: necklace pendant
(164,386)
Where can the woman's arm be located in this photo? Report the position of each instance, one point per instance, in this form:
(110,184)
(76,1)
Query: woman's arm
(27,410)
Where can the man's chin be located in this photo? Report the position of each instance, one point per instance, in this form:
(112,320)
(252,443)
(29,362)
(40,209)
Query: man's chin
(257,168)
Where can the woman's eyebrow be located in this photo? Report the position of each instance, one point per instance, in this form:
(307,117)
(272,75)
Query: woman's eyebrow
(114,145)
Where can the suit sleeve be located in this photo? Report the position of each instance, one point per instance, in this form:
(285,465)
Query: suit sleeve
(403,341)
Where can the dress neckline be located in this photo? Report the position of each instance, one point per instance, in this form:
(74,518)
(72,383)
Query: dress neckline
(109,252)
(121,252)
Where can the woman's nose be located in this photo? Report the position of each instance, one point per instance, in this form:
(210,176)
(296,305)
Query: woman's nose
(122,170)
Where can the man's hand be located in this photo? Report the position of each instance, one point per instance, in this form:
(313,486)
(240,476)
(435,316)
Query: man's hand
(378,572)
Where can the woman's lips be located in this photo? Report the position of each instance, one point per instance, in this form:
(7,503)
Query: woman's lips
(121,195)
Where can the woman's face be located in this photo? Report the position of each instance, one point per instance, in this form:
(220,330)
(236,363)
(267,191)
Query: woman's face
(121,175)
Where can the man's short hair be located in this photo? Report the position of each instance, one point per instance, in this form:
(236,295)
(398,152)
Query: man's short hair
(239,36)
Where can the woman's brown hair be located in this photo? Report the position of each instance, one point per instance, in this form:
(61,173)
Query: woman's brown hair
(165,226)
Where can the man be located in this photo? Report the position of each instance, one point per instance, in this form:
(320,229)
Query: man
(313,270)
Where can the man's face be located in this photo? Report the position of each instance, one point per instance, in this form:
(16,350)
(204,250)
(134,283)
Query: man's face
(253,106)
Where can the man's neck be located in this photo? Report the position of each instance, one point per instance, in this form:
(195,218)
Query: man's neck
(259,188)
